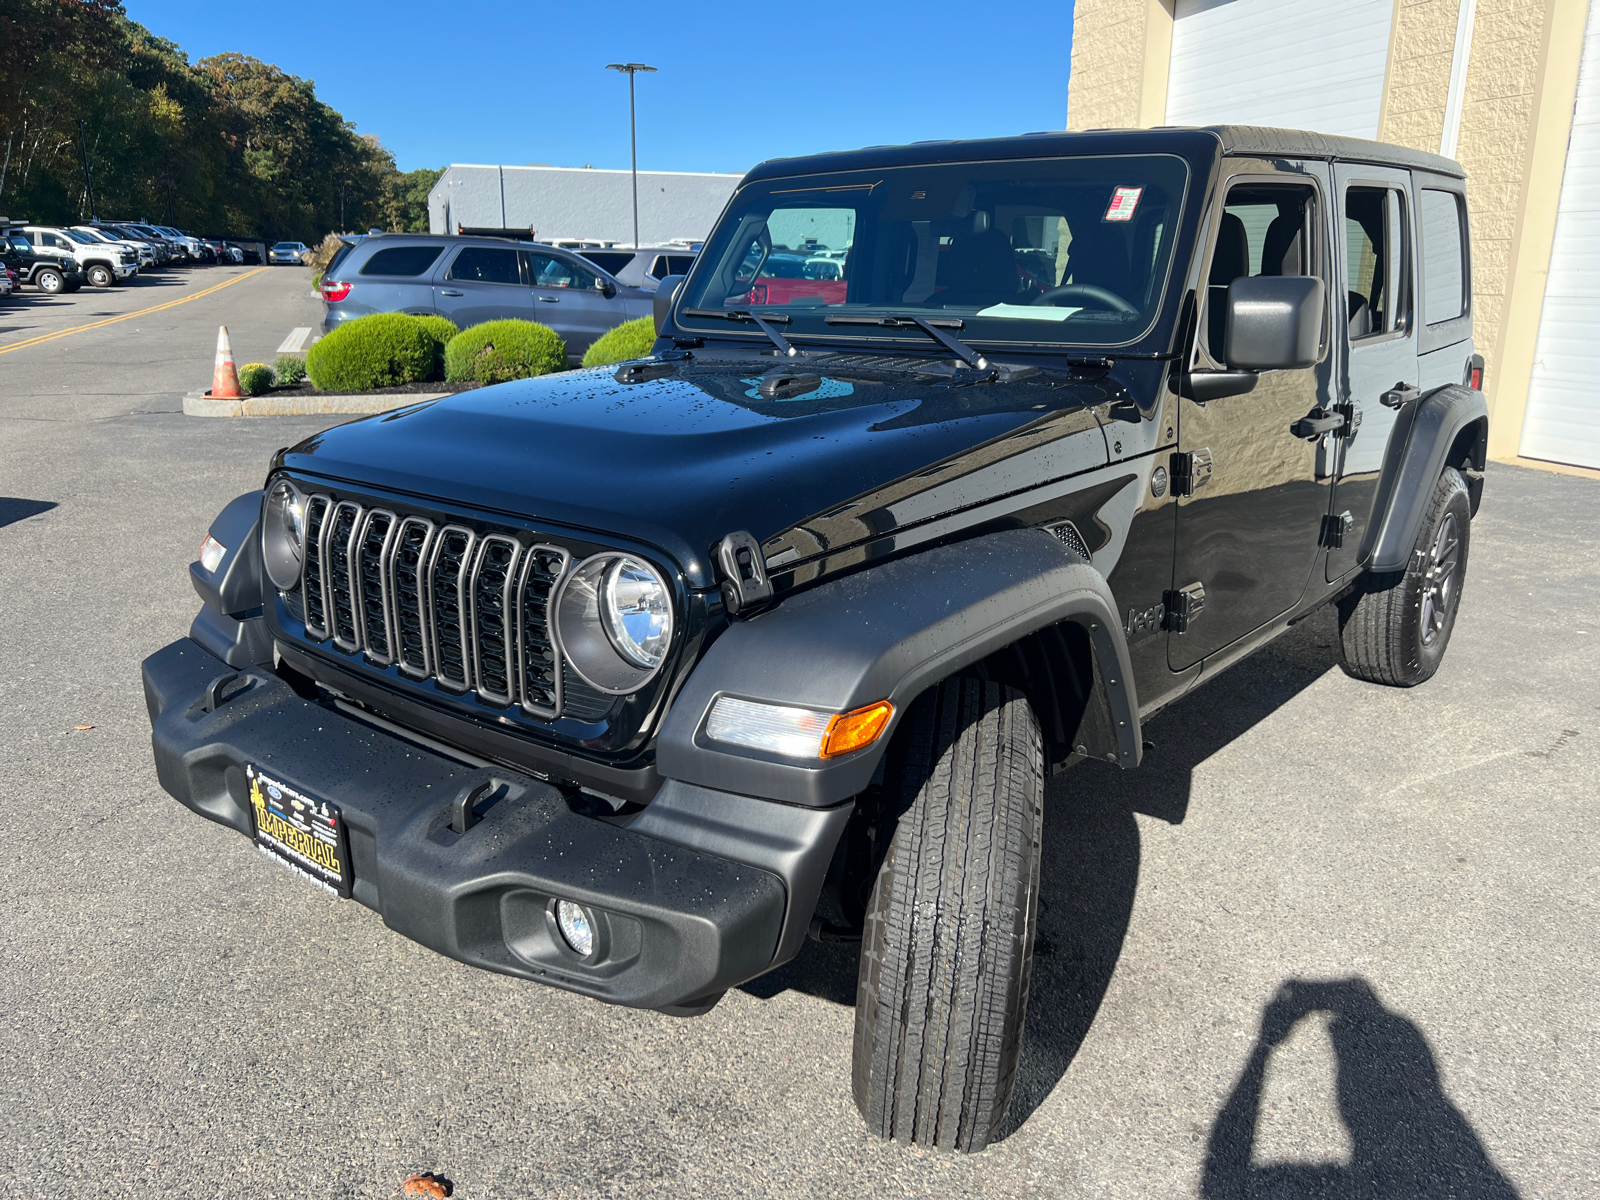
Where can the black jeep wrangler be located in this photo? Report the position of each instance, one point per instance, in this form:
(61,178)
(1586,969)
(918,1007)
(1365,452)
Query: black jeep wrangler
(627,680)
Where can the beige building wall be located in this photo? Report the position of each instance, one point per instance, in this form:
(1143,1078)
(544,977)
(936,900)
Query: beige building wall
(1120,53)
(1421,49)
(1522,77)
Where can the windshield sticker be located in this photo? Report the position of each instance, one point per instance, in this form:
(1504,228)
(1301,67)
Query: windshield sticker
(1123,202)
(1027,312)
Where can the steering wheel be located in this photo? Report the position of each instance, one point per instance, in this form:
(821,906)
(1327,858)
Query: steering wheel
(1088,292)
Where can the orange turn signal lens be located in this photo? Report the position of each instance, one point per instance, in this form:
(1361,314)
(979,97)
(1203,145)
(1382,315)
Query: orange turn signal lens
(855,730)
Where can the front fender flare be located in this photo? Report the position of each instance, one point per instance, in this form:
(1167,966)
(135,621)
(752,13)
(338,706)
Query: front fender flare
(889,632)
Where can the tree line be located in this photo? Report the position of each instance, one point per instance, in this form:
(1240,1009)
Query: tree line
(100,117)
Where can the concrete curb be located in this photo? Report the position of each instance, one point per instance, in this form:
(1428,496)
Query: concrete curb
(200,404)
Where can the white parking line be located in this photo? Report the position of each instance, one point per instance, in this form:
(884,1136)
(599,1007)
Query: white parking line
(296,340)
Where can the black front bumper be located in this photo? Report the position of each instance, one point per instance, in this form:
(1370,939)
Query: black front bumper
(676,924)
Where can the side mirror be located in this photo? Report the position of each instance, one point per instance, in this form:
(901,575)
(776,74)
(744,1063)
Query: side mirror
(665,294)
(605,287)
(1274,322)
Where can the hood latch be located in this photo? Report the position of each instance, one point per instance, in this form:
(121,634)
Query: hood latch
(745,583)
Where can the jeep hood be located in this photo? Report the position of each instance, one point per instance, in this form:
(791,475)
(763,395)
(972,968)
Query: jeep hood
(679,461)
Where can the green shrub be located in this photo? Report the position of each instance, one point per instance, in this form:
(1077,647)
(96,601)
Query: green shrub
(255,378)
(500,350)
(631,340)
(289,369)
(441,330)
(376,351)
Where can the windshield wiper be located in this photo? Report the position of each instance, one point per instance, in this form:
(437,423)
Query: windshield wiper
(934,329)
(765,324)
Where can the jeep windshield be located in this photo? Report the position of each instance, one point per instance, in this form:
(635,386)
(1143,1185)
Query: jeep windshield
(1068,251)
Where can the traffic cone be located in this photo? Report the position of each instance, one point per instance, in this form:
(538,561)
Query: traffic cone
(224,379)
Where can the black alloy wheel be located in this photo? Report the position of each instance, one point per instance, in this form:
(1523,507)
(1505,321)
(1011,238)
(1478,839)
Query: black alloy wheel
(1396,631)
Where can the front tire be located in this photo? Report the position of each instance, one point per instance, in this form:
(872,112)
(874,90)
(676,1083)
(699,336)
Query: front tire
(51,282)
(947,949)
(100,276)
(1397,633)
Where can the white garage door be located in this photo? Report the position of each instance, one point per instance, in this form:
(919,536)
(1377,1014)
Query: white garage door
(1296,64)
(1563,419)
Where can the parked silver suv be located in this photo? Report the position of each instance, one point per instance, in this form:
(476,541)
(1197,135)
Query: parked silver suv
(472,280)
(645,267)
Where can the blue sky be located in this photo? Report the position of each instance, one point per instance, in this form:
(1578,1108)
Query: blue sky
(486,81)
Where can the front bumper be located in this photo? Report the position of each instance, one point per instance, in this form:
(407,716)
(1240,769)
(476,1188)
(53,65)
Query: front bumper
(681,918)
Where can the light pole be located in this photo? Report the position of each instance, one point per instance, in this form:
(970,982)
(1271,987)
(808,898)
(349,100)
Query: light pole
(632,69)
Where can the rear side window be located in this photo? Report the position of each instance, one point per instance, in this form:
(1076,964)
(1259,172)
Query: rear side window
(478,264)
(1376,269)
(402,260)
(339,255)
(1444,274)
(671,264)
(607,260)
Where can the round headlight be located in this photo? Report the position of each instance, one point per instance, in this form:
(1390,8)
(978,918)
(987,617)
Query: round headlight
(283,534)
(637,611)
(613,617)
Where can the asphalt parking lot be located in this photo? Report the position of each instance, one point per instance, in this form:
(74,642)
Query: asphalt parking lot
(1332,940)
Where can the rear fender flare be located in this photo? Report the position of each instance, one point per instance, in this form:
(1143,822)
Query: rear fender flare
(1448,424)
(890,632)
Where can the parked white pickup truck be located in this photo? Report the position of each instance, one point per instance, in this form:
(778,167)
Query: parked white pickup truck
(104,264)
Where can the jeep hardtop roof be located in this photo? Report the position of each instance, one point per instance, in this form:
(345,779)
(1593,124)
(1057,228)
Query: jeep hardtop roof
(1253,140)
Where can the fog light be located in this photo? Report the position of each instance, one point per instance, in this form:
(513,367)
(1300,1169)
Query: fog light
(575,927)
(211,552)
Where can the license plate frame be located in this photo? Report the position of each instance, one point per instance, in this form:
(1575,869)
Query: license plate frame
(301,832)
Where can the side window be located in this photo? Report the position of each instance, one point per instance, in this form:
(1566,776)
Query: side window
(1444,267)
(479,264)
(402,260)
(679,264)
(659,269)
(1375,269)
(1266,229)
(548,271)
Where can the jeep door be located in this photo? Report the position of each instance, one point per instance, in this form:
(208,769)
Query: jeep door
(1251,510)
(1377,336)
(483,283)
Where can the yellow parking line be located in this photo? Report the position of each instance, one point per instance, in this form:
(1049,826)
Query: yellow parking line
(143,312)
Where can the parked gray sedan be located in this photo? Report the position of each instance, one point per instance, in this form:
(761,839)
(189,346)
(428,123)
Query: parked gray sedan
(472,280)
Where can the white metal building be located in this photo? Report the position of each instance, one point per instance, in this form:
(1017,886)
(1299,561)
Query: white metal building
(578,202)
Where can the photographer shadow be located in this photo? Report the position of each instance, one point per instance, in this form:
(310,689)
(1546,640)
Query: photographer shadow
(1407,1138)
(1089,872)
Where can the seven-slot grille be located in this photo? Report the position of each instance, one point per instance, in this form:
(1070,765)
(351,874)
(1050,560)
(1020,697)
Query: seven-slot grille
(470,611)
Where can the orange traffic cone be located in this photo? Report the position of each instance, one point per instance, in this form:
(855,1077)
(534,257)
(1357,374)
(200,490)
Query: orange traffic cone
(224,379)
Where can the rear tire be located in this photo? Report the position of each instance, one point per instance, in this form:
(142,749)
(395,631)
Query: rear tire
(1396,633)
(947,949)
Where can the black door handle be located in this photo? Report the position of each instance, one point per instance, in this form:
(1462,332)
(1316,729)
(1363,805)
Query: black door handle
(1316,423)
(1399,396)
